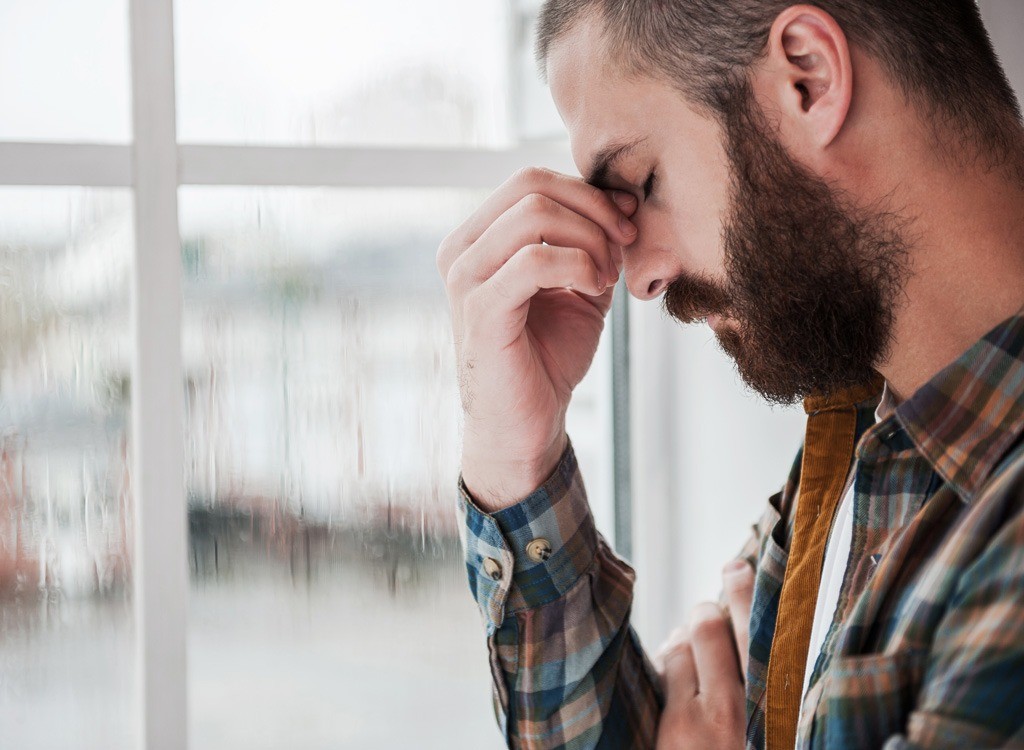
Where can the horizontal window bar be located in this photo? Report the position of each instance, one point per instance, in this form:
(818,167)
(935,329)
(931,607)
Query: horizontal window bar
(93,164)
(103,165)
(361,167)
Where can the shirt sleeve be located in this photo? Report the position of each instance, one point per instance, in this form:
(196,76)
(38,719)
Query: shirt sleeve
(568,670)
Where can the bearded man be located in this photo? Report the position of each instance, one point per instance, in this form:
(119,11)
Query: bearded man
(838,190)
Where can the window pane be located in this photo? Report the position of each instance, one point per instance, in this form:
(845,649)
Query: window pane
(66,633)
(64,71)
(329,603)
(534,113)
(342,71)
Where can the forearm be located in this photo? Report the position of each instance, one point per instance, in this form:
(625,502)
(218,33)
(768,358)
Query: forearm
(568,669)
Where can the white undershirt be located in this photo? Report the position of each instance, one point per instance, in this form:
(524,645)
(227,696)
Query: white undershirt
(837,554)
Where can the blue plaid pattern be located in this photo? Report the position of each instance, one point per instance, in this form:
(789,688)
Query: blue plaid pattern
(926,649)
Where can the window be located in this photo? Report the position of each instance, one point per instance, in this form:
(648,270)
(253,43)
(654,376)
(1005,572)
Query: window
(346,73)
(67,652)
(64,71)
(229,422)
(328,596)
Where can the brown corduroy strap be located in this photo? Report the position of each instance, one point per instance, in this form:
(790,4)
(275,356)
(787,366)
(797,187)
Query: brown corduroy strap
(828,452)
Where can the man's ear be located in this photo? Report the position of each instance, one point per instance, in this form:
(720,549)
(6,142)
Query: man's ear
(808,75)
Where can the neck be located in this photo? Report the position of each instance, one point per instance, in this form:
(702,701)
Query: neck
(966,227)
(967,268)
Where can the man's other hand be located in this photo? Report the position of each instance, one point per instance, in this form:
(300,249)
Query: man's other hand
(702,668)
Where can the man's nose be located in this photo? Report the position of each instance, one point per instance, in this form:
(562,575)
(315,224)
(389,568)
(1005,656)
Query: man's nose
(651,291)
(647,274)
(647,267)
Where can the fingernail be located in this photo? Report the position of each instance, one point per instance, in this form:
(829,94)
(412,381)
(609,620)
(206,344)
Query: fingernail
(626,226)
(625,201)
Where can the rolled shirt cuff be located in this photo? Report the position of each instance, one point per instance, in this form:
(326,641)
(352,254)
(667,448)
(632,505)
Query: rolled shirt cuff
(531,553)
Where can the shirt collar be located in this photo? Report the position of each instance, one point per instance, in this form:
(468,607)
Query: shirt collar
(886,405)
(845,397)
(965,418)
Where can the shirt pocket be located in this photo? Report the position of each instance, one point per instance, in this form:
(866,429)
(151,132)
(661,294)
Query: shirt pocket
(867,699)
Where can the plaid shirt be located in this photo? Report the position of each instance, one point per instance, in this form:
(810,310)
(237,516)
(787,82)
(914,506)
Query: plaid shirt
(926,649)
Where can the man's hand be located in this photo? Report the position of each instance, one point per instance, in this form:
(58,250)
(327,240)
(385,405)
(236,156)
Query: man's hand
(703,671)
(529,279)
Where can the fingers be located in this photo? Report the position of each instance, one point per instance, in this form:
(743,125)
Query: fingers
(738,585)
(704,701)
(714,650)
(535,219)
(676,637)
(626,202)
(531,269)
(678,667)
(573,193)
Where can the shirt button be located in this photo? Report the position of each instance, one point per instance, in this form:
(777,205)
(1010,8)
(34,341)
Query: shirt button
(492,568)
(539,549)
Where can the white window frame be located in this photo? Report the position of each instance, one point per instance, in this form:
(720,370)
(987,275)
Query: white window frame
(153,167)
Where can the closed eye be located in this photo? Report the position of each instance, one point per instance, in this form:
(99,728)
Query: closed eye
(648,186)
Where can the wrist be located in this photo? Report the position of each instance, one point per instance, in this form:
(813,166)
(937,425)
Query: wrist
(497,483)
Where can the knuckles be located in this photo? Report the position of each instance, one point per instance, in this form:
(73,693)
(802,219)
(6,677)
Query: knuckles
(454,279)
(709,622)
(533,207)
(449,250)
(738,582)
(450,259)
(532,178)
(533,256)
(583,260)
(536,205)
(536,179)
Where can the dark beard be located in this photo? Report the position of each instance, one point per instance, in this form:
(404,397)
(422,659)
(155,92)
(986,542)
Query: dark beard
(812,282)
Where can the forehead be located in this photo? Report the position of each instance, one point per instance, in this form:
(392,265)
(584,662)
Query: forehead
(590,92)
(603,105)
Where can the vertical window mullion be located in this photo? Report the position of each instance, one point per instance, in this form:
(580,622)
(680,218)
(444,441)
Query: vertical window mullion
(622,454)
(160,562)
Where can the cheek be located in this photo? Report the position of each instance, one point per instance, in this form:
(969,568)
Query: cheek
(697,220)
(697,196)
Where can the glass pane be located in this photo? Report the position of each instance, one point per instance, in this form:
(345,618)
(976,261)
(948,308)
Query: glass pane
(66,629)
(329,603)
(534,113)
(64,71)
(342,71)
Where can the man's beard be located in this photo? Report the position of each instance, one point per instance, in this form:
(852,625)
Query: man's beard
(811,281)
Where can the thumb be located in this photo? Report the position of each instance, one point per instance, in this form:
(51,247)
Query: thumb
(626,202)
(738,584)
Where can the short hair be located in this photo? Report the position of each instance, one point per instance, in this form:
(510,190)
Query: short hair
(937,51)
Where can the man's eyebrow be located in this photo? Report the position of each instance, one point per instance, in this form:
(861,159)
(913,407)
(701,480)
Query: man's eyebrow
(601,166)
